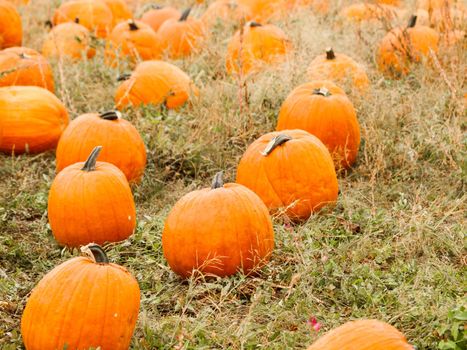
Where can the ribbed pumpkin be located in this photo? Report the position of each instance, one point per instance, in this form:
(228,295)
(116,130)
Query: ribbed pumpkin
(84,303)
(91,202)
(224,11)
(31,119)
(18,2)
(363,335)
(133,39)
(360,12)
(11,30)
(258,47)
(94,15)
(158,15)
(402,46)
(262,10)
(120,11)
(68,40)
(23,66)
(323,109)
(155,82)
(181,37)
(339,68)
(122,144)
(290,170)
(218,230)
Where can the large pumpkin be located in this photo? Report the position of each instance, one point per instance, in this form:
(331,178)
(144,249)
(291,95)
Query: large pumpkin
(323,109)
(218,230)
(158,15)
(292,171)
(84,303)
(119,9)
(31,119)
(122,144)
(23,66)
(256,47)
(363,335)
(262,10)
(155,82)
(91,202)
(11,30)
(224,11)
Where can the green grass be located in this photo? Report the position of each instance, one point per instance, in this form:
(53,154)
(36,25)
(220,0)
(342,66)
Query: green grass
(393,248)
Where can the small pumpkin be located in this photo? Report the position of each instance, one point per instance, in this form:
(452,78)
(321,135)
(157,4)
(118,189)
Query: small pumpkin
(155,82)
(181,37)
(158,15)
(318,6)
(86,302)
(218,230)
(224,11)
(11,30)
(323,109)
(119,9)
(122,144)
(133,39)
(68,40)
(262,10)
(23,66)
(31,119)
(403,46)
(363,334)
(94,15)
(360,12)
(340,69)
(82,204)
(291,171)
(256,47)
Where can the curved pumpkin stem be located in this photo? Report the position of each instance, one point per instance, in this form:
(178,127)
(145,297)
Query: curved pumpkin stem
(330,55)
(218,182)
(90,164)
(275,142)
(110,115)
(124,76)
(133,26)
(185,15)
(96,252)
(412,21)
(254,24)
(322,91)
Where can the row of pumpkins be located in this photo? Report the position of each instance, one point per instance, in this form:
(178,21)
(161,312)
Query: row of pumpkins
(216,230)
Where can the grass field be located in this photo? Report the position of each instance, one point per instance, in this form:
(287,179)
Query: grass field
(392,248)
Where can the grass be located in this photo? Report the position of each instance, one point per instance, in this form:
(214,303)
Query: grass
(392,248)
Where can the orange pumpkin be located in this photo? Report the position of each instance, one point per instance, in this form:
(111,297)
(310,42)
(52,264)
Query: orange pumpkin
(122,144)
(218,230)
(84,303)
(18,2)
(23,66)
(402,46)
(362,334)
(119,9)
(323,109)
(318,6)
(262,10)
(133,39)
(156,16)
(181,37)
(224,11)
(155,82)
(68,40)
(256,47)
(340,69)
(94,15)
(11,30)
(360,12)
(91,202)
(31,119)
(291,171)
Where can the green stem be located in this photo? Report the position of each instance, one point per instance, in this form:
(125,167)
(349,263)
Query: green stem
(110,115)
(275,142)
(99,255)
(90,164)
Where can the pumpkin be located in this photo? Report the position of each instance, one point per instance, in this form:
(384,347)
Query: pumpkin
(91,202)
(86,302)
(122,144)
(156,16)
(155,82)
(23,66)
(402,46)
(224,11)
(180,37)
(323,109)
(318,6)
(134,39)
(68,40)
(363,335)
(256,47)
(262,10)
(218,231)
(119,9)
(31,119)
(339,68)
(94,15)
(291,171)
(11,30)
(18,2)
(360,12)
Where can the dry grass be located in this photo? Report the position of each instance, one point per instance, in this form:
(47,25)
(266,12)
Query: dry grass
(392,249)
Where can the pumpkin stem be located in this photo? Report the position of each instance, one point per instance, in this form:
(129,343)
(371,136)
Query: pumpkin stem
(110,115)
(322,91)
(96,252)
(275,142)
(217,182)
(412,21)
(48,23)
(77,20)
(330,55)
(124,76)
(185,14)
(254,24)
(90,164)
(132,25)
